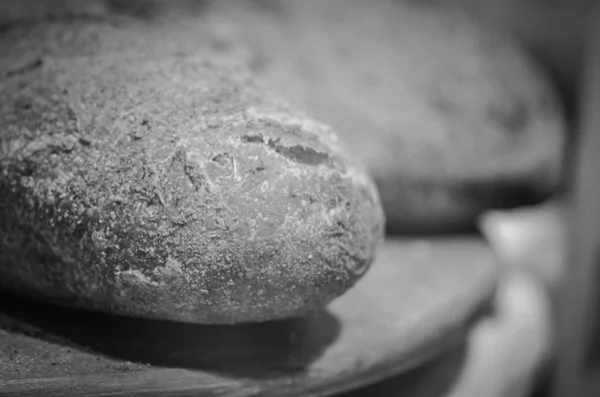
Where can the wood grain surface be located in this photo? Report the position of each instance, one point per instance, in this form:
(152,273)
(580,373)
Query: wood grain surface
(414,304)
(437,378)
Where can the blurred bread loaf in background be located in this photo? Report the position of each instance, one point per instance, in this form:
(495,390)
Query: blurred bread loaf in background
(451,116)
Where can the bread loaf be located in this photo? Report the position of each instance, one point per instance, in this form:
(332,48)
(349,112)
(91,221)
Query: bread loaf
(452,118)
(143,174)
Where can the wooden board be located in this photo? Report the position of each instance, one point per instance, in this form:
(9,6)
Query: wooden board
(415,302)
(437,378)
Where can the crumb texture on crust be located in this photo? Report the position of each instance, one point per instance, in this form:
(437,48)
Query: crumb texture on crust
(146,181)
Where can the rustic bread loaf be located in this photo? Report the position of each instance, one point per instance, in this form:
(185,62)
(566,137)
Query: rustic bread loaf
(451,118)
(142,174)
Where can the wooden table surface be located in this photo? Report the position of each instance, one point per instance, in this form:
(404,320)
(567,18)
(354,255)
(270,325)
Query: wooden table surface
(414,304)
